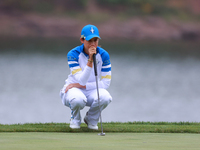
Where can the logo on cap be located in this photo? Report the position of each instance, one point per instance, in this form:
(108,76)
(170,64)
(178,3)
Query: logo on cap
(92,30)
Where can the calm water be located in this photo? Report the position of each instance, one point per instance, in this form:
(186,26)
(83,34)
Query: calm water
(149,83)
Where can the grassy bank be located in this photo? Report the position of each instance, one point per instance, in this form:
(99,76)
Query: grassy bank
(132,127)
(165,20)
(123,8)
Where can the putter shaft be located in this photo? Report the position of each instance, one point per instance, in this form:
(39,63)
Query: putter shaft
(95,71)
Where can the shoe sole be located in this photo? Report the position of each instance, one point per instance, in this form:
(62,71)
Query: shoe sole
(92,128)
(74,127)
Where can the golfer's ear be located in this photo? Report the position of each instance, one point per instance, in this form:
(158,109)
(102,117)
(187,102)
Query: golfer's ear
(82,40)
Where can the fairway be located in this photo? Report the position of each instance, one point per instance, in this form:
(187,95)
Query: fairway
(85,141)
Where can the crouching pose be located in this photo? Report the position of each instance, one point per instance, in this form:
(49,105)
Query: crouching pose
(79,89)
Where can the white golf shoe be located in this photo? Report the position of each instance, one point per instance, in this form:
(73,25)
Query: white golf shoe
(90,126)
(73,126)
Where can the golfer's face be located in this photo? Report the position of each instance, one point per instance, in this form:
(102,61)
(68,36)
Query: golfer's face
(91,43)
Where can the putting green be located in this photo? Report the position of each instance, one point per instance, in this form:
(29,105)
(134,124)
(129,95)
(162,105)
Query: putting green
(86,141)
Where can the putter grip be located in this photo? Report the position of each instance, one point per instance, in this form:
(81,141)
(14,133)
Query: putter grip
(95,64)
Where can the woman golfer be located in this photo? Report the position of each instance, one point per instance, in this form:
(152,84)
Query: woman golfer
(79,89)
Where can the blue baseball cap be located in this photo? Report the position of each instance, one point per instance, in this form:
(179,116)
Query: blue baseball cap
(89,31)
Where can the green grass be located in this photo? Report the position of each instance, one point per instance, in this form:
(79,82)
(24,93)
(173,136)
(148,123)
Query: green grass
(87,141)
(130,135)
(132,127)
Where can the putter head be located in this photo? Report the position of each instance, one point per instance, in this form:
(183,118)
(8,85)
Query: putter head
(102,134)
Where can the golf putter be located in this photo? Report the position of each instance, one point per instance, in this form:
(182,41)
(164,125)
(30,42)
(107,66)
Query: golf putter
(95,71)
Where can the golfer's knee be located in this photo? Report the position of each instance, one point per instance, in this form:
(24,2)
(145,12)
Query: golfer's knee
(78,103)
(105,96)
(106,99)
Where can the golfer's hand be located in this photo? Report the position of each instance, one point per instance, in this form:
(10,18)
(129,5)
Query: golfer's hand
(72,85)
(92,51)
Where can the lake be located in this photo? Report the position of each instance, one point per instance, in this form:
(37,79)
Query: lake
(150,81)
